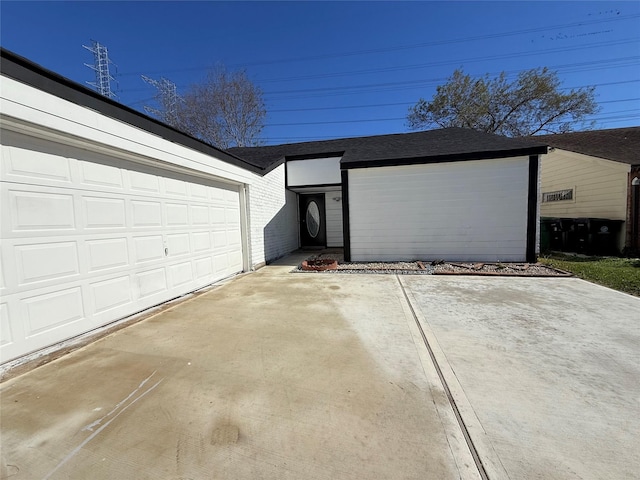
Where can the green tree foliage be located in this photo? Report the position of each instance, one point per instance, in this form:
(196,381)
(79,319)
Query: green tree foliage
(532,103)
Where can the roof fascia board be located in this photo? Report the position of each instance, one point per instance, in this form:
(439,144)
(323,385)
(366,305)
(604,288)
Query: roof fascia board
(592,155)
(487,155)
(313,156)
(317,185)
(29,73)
(272,166)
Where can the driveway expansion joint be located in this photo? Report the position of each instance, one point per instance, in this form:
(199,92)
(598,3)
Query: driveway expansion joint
(452,402)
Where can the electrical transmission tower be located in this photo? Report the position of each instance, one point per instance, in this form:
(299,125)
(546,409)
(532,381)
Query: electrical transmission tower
(167,98)
(101,67)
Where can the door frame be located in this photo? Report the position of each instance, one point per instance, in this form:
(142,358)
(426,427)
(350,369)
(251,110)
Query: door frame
(306,240)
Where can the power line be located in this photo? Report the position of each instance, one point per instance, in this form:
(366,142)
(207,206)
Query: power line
(319,89)
(454,62)
(404,47)
(630,60)
(393,119)
(347,107)
(395,86)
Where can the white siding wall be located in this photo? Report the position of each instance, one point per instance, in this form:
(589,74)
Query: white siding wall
(92,130)
(600,187)
(334,218)
(273,216)
(465,211)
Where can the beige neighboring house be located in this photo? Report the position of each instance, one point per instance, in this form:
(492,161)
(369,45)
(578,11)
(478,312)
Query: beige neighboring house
(591,174)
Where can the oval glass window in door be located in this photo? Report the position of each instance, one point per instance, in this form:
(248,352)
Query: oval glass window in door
(313,219)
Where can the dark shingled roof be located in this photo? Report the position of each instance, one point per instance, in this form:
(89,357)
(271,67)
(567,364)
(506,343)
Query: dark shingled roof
(617,144)
(446,144)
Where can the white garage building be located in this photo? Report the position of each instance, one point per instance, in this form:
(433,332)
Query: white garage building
(106,212)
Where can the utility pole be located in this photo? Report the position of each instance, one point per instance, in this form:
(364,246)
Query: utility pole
(101,68)
(167,97)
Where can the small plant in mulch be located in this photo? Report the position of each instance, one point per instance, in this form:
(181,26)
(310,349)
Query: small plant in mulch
(320,264)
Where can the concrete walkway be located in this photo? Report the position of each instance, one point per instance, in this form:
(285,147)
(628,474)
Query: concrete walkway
(271,376)
(314,376)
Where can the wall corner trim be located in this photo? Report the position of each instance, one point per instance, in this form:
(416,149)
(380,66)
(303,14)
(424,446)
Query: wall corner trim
(345,215)
(532,208)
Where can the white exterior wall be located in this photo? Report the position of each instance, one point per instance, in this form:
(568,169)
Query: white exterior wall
(599,187)
(316,171)
(41,114)
(273,215)
(464,211)
(333,210)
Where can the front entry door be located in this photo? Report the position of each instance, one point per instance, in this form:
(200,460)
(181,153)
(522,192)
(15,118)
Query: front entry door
(313,225)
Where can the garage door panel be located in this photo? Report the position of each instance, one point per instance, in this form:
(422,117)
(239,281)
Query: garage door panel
(34,210)
(107,253)
(217,215)
(33,166)
(46,311)
(221,262)
(175,188)
(150,282)
(199,215)
(178,244)
(234,238)
(203,267)
(6,333)
(104,212)
(219,238)
(198,192)
(180,274)
(95,174)
(146,213)
(216,194)
(111,293)
(235,261)
(143,183)
(148,248)
(201,241)
(177,214)
(46,261)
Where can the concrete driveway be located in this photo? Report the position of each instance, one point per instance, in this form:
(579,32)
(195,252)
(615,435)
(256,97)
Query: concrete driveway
(546,371)
(278,375)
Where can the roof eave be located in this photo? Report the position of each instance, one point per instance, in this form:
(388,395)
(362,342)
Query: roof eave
(456,157)
(25,71)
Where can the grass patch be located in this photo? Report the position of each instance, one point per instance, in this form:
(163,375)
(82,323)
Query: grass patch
(621,274)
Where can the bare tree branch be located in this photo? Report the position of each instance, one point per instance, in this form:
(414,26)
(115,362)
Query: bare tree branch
(225,109)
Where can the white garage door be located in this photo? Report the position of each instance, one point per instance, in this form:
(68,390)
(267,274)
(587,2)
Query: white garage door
(465,211)
(88,239)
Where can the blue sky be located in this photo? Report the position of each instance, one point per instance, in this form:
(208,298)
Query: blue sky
(338,69)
